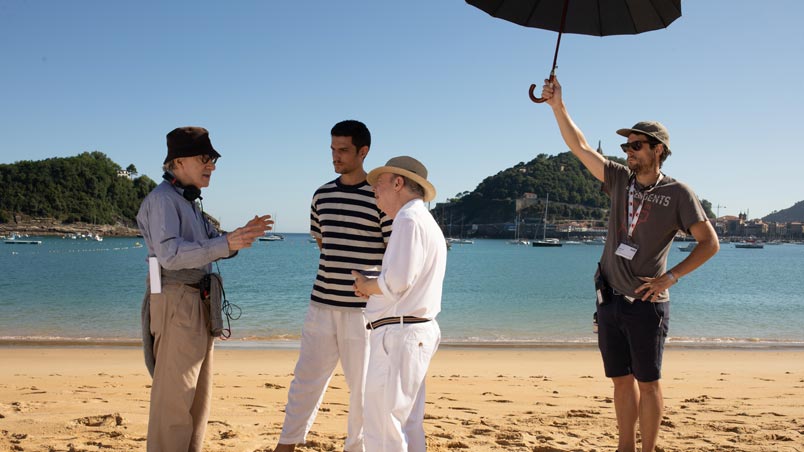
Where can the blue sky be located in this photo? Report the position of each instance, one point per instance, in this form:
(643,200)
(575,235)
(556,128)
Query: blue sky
(438,80)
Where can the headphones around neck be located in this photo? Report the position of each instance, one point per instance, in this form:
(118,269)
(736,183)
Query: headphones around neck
(190,193)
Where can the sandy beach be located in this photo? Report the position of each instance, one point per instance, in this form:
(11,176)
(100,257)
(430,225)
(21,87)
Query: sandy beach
(535,400)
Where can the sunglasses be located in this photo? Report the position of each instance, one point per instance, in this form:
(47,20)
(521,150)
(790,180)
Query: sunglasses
(634,145)
(205,159)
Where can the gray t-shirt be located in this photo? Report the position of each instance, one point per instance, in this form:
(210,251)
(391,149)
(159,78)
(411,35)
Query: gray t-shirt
(668,207)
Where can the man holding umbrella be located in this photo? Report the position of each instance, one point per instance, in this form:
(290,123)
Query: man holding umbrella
(633,310)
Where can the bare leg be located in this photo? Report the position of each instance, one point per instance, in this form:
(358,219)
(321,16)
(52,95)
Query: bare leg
(626,406)
(651,406)
(285,448)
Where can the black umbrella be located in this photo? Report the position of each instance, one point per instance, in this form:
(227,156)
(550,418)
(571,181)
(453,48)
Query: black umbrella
(585,17)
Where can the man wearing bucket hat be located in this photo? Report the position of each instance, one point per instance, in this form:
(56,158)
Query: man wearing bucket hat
(648,208)
(181,247)
(401,310)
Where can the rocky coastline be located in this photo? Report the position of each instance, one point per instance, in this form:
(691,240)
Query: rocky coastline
(53,227)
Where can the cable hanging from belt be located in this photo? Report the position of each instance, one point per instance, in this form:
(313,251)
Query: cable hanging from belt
(228,309)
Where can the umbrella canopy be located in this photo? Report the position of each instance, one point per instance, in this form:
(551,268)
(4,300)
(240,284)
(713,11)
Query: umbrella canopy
(587,17)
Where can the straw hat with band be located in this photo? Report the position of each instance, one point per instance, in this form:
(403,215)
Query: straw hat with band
(408,167)
(652,129)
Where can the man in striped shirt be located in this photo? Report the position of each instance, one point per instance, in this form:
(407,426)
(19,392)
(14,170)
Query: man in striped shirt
(351,232)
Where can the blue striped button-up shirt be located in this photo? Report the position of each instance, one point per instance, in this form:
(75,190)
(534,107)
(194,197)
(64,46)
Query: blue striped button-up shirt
(176,233)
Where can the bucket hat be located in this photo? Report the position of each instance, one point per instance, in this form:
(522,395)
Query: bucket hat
(189,141)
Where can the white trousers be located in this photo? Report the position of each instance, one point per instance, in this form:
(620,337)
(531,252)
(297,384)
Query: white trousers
(394,406)
(327,335)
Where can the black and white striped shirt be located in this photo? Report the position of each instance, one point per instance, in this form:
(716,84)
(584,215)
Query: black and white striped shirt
(353,232)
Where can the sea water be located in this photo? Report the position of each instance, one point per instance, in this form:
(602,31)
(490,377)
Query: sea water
(494,293)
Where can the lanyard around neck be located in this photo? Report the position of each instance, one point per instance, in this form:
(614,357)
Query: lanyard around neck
(633,214)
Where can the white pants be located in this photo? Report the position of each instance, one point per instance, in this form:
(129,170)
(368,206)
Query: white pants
(327,335)
(394,406)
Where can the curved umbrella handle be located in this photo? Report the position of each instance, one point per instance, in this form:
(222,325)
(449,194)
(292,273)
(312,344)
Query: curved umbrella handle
(540,100)
(533,98)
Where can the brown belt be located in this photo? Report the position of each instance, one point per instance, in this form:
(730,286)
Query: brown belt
(395,320)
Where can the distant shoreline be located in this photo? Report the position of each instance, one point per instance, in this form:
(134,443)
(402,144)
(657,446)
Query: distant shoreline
(48,227)
(293,344)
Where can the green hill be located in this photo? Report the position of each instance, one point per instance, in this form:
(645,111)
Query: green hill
(575,195)
(793,213)
(85,188)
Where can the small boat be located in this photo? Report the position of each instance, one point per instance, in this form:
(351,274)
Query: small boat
(15,239)
(461,241)
(689,247)
(518,240)
(596,241)
(749,245)
(271,237)
(546,243)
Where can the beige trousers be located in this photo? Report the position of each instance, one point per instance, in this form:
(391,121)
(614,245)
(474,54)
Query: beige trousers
(182,386)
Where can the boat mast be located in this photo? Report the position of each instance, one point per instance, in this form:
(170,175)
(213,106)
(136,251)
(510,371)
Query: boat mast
(544,221)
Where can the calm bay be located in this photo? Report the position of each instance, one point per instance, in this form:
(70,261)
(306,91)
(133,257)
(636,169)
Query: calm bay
(495,294)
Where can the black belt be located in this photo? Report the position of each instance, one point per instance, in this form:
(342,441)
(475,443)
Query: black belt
(395,320)
(617,293)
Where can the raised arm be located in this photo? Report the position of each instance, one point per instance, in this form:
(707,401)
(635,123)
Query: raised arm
(573,137)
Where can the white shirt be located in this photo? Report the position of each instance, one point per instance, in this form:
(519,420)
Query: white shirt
(413,267)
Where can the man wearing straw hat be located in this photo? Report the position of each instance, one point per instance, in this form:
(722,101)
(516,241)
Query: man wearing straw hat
(401,310)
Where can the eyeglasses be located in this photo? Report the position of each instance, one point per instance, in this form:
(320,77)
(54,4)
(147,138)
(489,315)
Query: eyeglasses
(634,145)
(206,159)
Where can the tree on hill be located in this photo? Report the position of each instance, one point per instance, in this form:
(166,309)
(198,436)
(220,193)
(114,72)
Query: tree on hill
(707,208)
(81,188)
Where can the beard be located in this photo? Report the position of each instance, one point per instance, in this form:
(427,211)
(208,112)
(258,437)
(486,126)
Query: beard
(635,165)
(638,166)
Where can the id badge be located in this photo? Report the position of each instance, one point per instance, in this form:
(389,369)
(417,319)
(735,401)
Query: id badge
(626,251)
